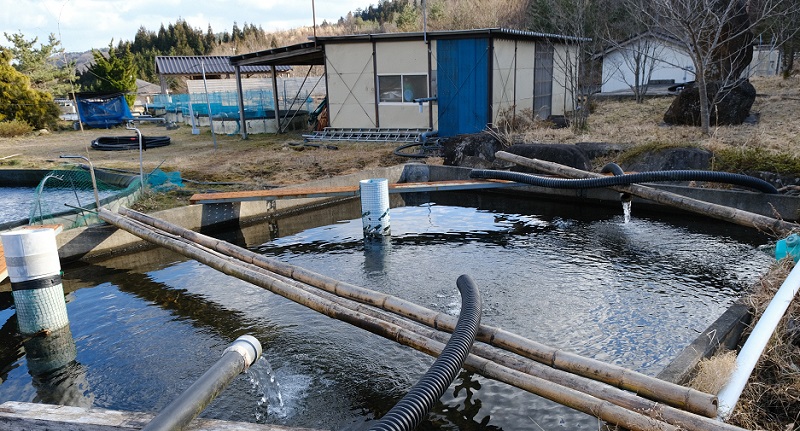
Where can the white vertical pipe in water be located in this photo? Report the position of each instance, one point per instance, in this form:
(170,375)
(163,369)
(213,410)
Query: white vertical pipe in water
(756,342)
(375,207)
(35,274)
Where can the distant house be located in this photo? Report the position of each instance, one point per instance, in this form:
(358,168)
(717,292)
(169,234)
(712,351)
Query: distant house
(145,91)
(450,81)
(671,64)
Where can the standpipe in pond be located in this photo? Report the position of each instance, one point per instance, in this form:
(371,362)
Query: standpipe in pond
(407,414)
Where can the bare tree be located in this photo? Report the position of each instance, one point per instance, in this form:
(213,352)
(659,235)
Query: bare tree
(717,35)
(583,21)
(633,61)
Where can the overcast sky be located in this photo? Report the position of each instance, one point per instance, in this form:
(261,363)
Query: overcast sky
(85,24)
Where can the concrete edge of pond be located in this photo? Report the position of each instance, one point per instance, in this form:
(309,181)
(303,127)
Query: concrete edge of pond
(97,241)
(725,333)
(18,416)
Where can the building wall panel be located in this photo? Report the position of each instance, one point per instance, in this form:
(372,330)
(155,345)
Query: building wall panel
(504,63)
(525,64)
(351,85)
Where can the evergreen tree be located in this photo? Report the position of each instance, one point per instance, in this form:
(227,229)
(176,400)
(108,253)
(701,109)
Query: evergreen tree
(210,41)
(18,101)
(117,73)
(39,64)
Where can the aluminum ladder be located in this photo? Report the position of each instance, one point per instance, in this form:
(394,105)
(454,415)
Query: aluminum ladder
(366,135)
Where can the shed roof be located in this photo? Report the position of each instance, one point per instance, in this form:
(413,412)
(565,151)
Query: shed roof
(312,54)
(499,33)
(302,54)
(213,65)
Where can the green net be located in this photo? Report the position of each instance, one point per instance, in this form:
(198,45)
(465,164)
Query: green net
(66,196)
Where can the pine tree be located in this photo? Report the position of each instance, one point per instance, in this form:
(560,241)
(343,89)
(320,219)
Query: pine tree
(39,64)
(117,73)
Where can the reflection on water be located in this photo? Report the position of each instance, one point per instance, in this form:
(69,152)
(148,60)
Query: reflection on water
(18,202)
(146,326)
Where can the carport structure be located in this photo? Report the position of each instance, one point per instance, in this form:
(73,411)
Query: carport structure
(303,54)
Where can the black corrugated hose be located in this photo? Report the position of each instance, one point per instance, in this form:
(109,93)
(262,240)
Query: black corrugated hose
(407,414)
(619,180)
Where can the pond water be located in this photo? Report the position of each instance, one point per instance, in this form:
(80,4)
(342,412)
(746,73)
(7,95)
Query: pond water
(18,201)
(145,326)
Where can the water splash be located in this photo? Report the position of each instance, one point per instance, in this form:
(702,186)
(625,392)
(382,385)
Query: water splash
(626,210)
(267,389)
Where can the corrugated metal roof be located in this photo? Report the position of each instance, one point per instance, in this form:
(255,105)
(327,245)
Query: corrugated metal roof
(502,33)
(213,65)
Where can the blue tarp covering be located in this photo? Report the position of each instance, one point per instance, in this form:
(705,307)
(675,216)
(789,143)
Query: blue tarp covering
(103,111)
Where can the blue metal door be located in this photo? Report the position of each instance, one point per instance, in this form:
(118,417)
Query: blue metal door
(463,85)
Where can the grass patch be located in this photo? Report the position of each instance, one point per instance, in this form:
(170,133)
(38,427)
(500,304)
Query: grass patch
(755,159)
(13,128)
(651,147)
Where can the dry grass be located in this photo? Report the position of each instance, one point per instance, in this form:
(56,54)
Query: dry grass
(627,122)
(260,161)
(257,163)
(771,399)
(711,374)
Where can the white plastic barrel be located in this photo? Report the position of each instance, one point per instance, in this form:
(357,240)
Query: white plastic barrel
(375,207)
(35,274)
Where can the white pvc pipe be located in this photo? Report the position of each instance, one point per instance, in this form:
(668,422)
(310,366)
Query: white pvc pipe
(35,274)
(756,342)
(375,207)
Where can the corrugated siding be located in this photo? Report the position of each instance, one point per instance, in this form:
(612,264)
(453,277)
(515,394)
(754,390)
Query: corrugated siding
(543,81)
(463,82)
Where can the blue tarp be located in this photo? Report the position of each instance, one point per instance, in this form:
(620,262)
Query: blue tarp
(103,111)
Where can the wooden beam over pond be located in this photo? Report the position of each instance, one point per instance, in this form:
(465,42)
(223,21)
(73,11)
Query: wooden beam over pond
(345,191)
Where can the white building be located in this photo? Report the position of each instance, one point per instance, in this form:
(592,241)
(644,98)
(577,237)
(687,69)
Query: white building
(670,62)
(648,51)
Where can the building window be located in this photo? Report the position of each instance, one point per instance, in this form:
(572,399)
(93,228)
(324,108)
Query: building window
(402,88)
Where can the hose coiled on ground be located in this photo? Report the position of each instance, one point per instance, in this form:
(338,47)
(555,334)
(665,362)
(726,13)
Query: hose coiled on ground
(407,414)
(625,179)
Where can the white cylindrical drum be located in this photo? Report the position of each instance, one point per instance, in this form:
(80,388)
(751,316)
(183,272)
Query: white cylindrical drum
(375,207)
(35,274)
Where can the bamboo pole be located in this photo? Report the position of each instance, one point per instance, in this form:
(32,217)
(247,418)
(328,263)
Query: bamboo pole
(577,400)
(645,386)
(628,400)
(774,227)
(500,371)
